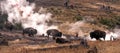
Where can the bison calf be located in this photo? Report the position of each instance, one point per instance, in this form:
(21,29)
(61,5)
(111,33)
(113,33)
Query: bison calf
(62,40)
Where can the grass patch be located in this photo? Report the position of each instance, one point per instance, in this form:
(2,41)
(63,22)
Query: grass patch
(110,22)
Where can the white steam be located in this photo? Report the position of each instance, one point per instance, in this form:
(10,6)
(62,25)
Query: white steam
(21,11)
(115,34)
(76,27)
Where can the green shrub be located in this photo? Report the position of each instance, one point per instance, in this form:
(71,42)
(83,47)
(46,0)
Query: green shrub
(3,18)
(109,22)
(55,11)
(117,18)
(18,26)
(1,25)
(78,18)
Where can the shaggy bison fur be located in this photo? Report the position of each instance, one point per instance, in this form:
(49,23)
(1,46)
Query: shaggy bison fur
(30,31)
(54,33)
(97,34)
(62,40)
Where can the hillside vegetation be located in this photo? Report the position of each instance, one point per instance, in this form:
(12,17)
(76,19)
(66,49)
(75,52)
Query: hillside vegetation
(105,12)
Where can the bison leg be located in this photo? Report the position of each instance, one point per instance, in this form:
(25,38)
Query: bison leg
(97,38)
(48,36)
(11,29)
(30,35)
(104,38)
(54,38)
(91,37)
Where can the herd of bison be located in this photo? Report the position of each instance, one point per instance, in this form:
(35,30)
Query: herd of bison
(54,33)
(97,34)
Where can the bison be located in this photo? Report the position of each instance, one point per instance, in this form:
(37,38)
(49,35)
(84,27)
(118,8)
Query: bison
(9,26)
(54,33)
(30,31)
(97,34)
(62,40)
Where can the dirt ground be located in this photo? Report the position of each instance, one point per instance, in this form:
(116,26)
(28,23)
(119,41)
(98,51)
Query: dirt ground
(43,45)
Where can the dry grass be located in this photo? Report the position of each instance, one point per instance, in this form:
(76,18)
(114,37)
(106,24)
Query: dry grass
(103,47)
(84,8)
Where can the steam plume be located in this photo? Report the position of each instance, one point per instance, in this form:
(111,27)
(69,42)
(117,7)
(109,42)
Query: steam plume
(115,33)
(21,11)
(76,27)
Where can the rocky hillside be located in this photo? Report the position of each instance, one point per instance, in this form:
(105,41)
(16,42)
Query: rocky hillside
(97,14)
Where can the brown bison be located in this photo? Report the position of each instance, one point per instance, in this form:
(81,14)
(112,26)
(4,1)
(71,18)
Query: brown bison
(54,33)
(30,31)
(97,34)
(9,26)
(62,40)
